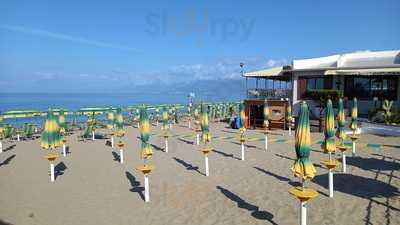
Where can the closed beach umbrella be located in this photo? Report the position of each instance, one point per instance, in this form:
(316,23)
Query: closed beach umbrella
(289,117)
(119,123)
(157,116)
(266,114)
(340,133)
(165,118)
(329,143)
(51,134)
(266,122)
(204,125)
(303,167)
(1,133)
(176,118)
(110,119)
(61,120)
(354,112)
(145,134)
(242,116)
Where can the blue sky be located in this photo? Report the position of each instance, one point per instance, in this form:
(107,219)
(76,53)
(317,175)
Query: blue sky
(81,46)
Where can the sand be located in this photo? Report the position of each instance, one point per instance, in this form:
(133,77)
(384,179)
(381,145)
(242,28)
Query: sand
(92,187)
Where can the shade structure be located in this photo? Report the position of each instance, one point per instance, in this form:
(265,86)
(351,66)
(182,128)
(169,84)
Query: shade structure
(165,118)
(242,116)
(266,113)
(204,125)
(20,114)
(110,119)
(303,166)
(340,133)
(61,121)
(90,110)
(354,112)
(50,138)
(119,123)
(144,128)
(329,142)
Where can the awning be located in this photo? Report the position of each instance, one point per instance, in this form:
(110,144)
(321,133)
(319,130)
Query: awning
(375,71)
(271,72)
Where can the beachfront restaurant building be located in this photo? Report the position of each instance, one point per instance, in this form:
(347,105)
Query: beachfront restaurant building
(370,76)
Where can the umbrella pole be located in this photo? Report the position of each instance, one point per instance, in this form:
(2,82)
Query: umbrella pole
(197,139)
(18,138)
(146,188)
(303,216)
(166,144)
(1,146)
(64,150)
(343,162)
(242,145)
(353,148)
(206,162)
(112,141)
(303,206)
(189,124)
(52,178)
(93,136)
(330,174)
(266,142)
(121,156)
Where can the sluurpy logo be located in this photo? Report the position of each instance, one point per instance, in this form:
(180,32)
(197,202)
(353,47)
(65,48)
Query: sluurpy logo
(198,25)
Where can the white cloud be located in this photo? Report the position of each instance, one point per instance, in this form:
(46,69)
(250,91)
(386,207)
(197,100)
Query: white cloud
(64,37)
(273,62)
(45,75)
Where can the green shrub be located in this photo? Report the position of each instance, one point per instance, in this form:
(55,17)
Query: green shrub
(387,107)
(323,95)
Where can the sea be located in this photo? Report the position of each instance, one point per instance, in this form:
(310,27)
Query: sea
(75,101)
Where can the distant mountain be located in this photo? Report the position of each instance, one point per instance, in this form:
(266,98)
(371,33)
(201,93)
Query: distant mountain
(208,90)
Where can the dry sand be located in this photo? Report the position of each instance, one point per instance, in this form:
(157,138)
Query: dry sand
(93,188)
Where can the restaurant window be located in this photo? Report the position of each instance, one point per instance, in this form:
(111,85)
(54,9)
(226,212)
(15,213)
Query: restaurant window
(366,88)
(315,83)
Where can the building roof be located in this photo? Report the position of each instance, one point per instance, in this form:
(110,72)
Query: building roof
(362,59)
(274,71)
(356,63)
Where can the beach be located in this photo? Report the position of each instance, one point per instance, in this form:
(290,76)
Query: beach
(92,187)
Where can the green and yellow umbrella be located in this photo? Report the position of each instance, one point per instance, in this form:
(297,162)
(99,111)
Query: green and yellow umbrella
(157,112)
(119,123)
(110,120)
(61,121)
(266,114)
(204,125)
(165,118)
(354,112)
(340,133)
(144,127)
(1,124)
(303,166)
(51,137)
(175,113)
(289,113)
(242,117)
(329,142)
